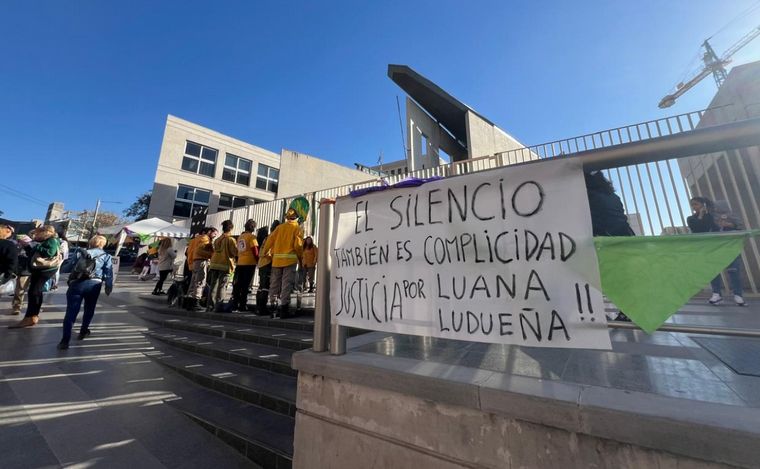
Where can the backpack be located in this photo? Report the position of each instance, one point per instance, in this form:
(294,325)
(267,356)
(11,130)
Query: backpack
(84,268)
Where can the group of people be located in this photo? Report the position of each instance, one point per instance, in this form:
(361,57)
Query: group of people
(35,259)
(280,252)
(285,259)
(608,219)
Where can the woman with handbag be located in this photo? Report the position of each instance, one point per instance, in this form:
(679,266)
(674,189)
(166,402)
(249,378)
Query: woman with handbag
(46,257)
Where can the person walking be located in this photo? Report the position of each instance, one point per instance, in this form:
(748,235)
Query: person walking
(166,256)
(46,257)
(286,246)
(716,217)
(309,263)
(248,257)
(92,269)
(23,272)
(221,265)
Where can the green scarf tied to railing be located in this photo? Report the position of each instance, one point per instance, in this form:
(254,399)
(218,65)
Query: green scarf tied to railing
(651,277)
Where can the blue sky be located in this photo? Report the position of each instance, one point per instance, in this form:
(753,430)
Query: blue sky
(85,86)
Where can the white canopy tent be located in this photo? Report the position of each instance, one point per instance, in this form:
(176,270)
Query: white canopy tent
(150,227)
(146,229)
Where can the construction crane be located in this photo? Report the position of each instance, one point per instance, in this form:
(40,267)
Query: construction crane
(713,65)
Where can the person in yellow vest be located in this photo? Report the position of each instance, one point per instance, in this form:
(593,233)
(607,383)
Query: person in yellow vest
(201,252)
(265,269)
(221,265)
(248,256)
(309,263)
(286,246)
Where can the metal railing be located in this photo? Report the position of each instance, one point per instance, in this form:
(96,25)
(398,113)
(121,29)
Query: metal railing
(655,194)
(731,136)
(637,191)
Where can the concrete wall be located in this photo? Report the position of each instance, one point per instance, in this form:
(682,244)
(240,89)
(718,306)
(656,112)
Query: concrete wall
(427,155)
(169,171)
(301,173)
(485,139)
(345,425)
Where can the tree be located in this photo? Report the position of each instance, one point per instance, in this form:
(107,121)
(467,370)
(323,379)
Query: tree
(139,208)
(108,219)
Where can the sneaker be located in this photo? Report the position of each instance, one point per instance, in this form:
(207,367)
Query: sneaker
(83,334)
(63,345)
(715,299)
(622,317)
(739,300)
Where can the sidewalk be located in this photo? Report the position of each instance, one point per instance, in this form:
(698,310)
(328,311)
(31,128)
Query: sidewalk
(102,402)
(99,404)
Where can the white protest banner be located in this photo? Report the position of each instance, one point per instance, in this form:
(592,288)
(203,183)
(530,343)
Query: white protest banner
(500,256)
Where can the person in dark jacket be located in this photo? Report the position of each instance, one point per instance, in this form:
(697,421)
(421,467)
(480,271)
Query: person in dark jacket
(23,272)
(47,249)
(8,253)
(607,214)
(713,217)
(87,290)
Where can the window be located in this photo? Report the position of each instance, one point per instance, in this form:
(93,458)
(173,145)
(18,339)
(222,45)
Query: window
(227,201)
(237,170)
(188,198)
(423,144)
(199,159)
(267,178)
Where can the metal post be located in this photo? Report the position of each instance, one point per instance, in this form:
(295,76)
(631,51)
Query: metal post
(337,340)
(322,300)
(95,220)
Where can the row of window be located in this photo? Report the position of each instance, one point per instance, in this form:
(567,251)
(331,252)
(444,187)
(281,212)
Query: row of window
(200,159)
(188,198)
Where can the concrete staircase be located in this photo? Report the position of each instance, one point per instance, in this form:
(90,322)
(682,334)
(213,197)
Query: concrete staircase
(240,362)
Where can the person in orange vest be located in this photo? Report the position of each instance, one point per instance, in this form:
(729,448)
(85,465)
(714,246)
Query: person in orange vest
(248,257)
(286,247)
(201,252)
(309,263)
(221,265)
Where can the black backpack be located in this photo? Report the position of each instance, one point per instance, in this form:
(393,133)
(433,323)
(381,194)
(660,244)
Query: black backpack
(84,268)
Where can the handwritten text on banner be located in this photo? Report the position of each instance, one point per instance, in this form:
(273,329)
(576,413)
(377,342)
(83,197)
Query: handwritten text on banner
(501,256)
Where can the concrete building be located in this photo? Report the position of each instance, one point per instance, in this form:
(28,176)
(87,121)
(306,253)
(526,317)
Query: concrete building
(301,173)
(201,167)
(733,176)
(440,129)
(54,212)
